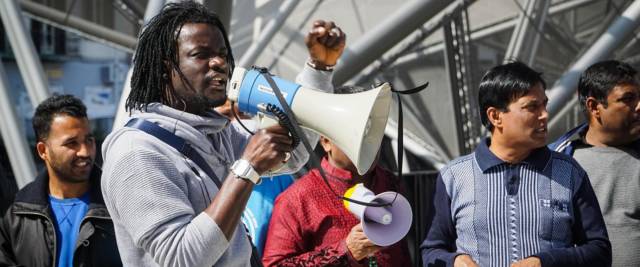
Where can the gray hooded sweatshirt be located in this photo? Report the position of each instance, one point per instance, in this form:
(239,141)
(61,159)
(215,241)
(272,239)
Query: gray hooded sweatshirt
(156,199)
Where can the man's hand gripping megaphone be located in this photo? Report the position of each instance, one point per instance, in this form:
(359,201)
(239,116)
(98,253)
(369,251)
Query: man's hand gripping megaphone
(325,43)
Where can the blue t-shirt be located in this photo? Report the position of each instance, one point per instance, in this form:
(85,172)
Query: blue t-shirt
(68,214)
(257,214)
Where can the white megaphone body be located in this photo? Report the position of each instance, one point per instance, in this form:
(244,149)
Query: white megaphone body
(354,122)
(384,226)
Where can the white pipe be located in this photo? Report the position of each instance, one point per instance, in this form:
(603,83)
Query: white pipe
(13,136)
(615,35)
(267,34)
(414,145)
(26,56)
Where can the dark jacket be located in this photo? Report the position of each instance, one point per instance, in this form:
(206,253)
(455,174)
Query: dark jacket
(567,142)
(28,235)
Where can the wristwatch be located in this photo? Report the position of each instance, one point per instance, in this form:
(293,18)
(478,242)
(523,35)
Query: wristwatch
(243,169)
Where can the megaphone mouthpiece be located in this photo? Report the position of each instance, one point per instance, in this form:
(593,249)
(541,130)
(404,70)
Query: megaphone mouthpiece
(378,214)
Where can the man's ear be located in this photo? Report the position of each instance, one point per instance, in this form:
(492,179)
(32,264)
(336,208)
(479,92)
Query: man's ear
(41,147)
(494,116)
(326,144)
(591,104)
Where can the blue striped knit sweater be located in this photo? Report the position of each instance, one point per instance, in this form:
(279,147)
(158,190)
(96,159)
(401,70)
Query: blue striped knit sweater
(499,213)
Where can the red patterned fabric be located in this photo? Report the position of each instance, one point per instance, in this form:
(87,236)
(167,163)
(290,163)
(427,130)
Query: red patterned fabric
(309,224)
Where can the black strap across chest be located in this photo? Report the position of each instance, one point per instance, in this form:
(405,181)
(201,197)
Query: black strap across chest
(176,142)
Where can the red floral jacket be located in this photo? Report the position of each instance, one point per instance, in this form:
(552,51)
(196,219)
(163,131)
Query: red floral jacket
(309,224)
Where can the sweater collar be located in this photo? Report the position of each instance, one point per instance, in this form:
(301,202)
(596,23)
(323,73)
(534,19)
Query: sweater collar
(335,172)
(579,137)
(538,158)
(341,179)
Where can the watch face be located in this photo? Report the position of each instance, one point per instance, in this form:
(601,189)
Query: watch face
(243,169)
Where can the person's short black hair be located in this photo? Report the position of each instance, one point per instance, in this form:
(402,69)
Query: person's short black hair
(157,51)
(53,106)
(599,79)
(503,84)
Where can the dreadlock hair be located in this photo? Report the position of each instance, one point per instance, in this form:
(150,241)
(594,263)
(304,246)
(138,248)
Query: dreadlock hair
(156,53)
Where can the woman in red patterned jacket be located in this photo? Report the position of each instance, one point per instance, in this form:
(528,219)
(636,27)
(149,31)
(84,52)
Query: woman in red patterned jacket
(311,227)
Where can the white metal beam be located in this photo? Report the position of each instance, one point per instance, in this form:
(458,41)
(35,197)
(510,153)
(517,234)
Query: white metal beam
(79,26)
(267,33)
(414,145)
(28,62)
(602,48)
(13,136)
(489,30)
(153,8)
(384,36)
(519,32)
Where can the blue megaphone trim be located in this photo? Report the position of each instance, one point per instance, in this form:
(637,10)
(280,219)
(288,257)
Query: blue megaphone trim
(255,90)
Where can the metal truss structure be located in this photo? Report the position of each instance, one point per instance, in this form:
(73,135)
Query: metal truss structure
(449,43)
(458,63)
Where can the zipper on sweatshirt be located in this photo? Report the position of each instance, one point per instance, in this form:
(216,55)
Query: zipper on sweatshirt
(50,223)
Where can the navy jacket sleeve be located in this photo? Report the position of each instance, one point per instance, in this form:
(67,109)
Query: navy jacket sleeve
(592,246)
(438,249)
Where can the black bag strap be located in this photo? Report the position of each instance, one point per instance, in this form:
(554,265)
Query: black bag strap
(176,142)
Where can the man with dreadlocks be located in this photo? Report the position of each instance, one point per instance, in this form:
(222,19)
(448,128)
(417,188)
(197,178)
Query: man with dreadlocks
(165,204)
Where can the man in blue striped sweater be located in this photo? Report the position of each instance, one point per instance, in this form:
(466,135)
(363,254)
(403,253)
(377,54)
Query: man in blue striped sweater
(513,202)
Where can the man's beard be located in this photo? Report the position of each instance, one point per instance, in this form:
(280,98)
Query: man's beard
(202,104)
(64,171)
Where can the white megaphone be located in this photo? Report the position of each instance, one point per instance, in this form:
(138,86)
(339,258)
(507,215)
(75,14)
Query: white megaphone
(354,122)
(384,226)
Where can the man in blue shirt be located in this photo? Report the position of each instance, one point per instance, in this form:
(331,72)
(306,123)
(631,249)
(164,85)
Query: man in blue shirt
(513,202)
(257,214)
(60,218)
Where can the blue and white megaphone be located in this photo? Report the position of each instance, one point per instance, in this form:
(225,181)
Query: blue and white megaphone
(354,122)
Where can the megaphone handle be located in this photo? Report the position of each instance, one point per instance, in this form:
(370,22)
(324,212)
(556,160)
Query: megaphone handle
(284,120)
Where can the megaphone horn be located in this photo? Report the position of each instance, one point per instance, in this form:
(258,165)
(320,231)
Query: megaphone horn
(384,226)
(354,122)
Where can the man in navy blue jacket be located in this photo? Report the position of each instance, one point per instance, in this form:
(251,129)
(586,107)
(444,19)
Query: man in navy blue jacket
(608,148)
(513,202)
